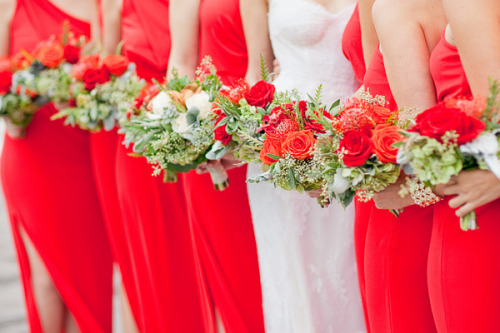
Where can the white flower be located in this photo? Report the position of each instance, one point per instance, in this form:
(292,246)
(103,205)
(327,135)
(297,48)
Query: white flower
(484,147)
(340,184)
(160,102)
(180,125)
(201,101)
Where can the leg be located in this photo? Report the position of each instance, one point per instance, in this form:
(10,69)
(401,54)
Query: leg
(129,323)
(50,306)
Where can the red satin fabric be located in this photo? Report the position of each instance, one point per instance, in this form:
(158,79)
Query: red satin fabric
(221,223)
(50,192)
(154,212)
(396,251)
(464,267)
(352,45)
(353,51)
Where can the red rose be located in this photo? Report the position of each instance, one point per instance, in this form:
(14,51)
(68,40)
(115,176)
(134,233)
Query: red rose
(261,94)
(220,132)
(102,75)
(71,53)
(5,65)
(85,63)
(356,147)
(115,64)
(384,136)
(51,55)
(5,82)
(439,119)
(299,144)
(272,147)
(94,76)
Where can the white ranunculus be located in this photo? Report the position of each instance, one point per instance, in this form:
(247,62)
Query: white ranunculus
(484,147)
(180,125)
(201,101)
(340,184)
(160,102)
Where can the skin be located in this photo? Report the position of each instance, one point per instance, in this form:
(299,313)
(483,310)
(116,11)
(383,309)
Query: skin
(417,25)
(474,28)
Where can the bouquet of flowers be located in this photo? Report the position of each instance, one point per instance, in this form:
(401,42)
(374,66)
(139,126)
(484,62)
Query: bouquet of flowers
(357,151)
(454,135)
(171,125)
(30,80)
(102,88)
(291,132)
(238,114)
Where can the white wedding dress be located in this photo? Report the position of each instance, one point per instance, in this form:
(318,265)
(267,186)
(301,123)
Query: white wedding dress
(306,253)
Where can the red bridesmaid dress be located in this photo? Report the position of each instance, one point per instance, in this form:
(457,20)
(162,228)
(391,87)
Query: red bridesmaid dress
(396,251)
(154,213)
(464,267)
(353,51)
(50,192)
(221,223)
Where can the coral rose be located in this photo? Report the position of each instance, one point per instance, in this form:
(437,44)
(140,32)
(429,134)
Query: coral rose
(261,94)
(115,64)
(51,55)
(380,114)
(5,82)
(356,147)
(71,53)
(383,137)
(439,119)
(272,147)
(299,144)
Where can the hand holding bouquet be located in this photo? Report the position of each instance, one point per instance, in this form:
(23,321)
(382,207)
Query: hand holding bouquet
(171,124)
(454,135)
(291,132)
(30,80)
(357,150)
(101,90)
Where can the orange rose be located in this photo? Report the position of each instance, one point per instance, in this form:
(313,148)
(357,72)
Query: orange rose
(51,55)
(380,114)
(299,144)
(22,60)
(116,64)
(383,137)
(270,147)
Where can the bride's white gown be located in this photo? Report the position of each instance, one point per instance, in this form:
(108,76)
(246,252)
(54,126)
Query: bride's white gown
(306,253)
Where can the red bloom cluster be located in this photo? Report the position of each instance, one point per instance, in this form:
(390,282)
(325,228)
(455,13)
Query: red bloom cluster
(91,73)
(5,76)
(450,116)
(367,129)
(284,134)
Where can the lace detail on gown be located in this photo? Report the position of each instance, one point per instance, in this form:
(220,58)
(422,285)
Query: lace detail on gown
(306,253)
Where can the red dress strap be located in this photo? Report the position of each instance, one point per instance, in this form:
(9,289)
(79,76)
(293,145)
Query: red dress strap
(375,80)
(447,71)
(352,46)
(146,36)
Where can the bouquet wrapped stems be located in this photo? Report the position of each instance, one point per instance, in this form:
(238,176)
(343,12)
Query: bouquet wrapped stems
(219,176)
(469,221)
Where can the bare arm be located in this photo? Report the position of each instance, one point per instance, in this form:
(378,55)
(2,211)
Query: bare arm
(407,47)
(8,7)
(254,17)
(184,18)
(111,20)
(475,25)
(369,38)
